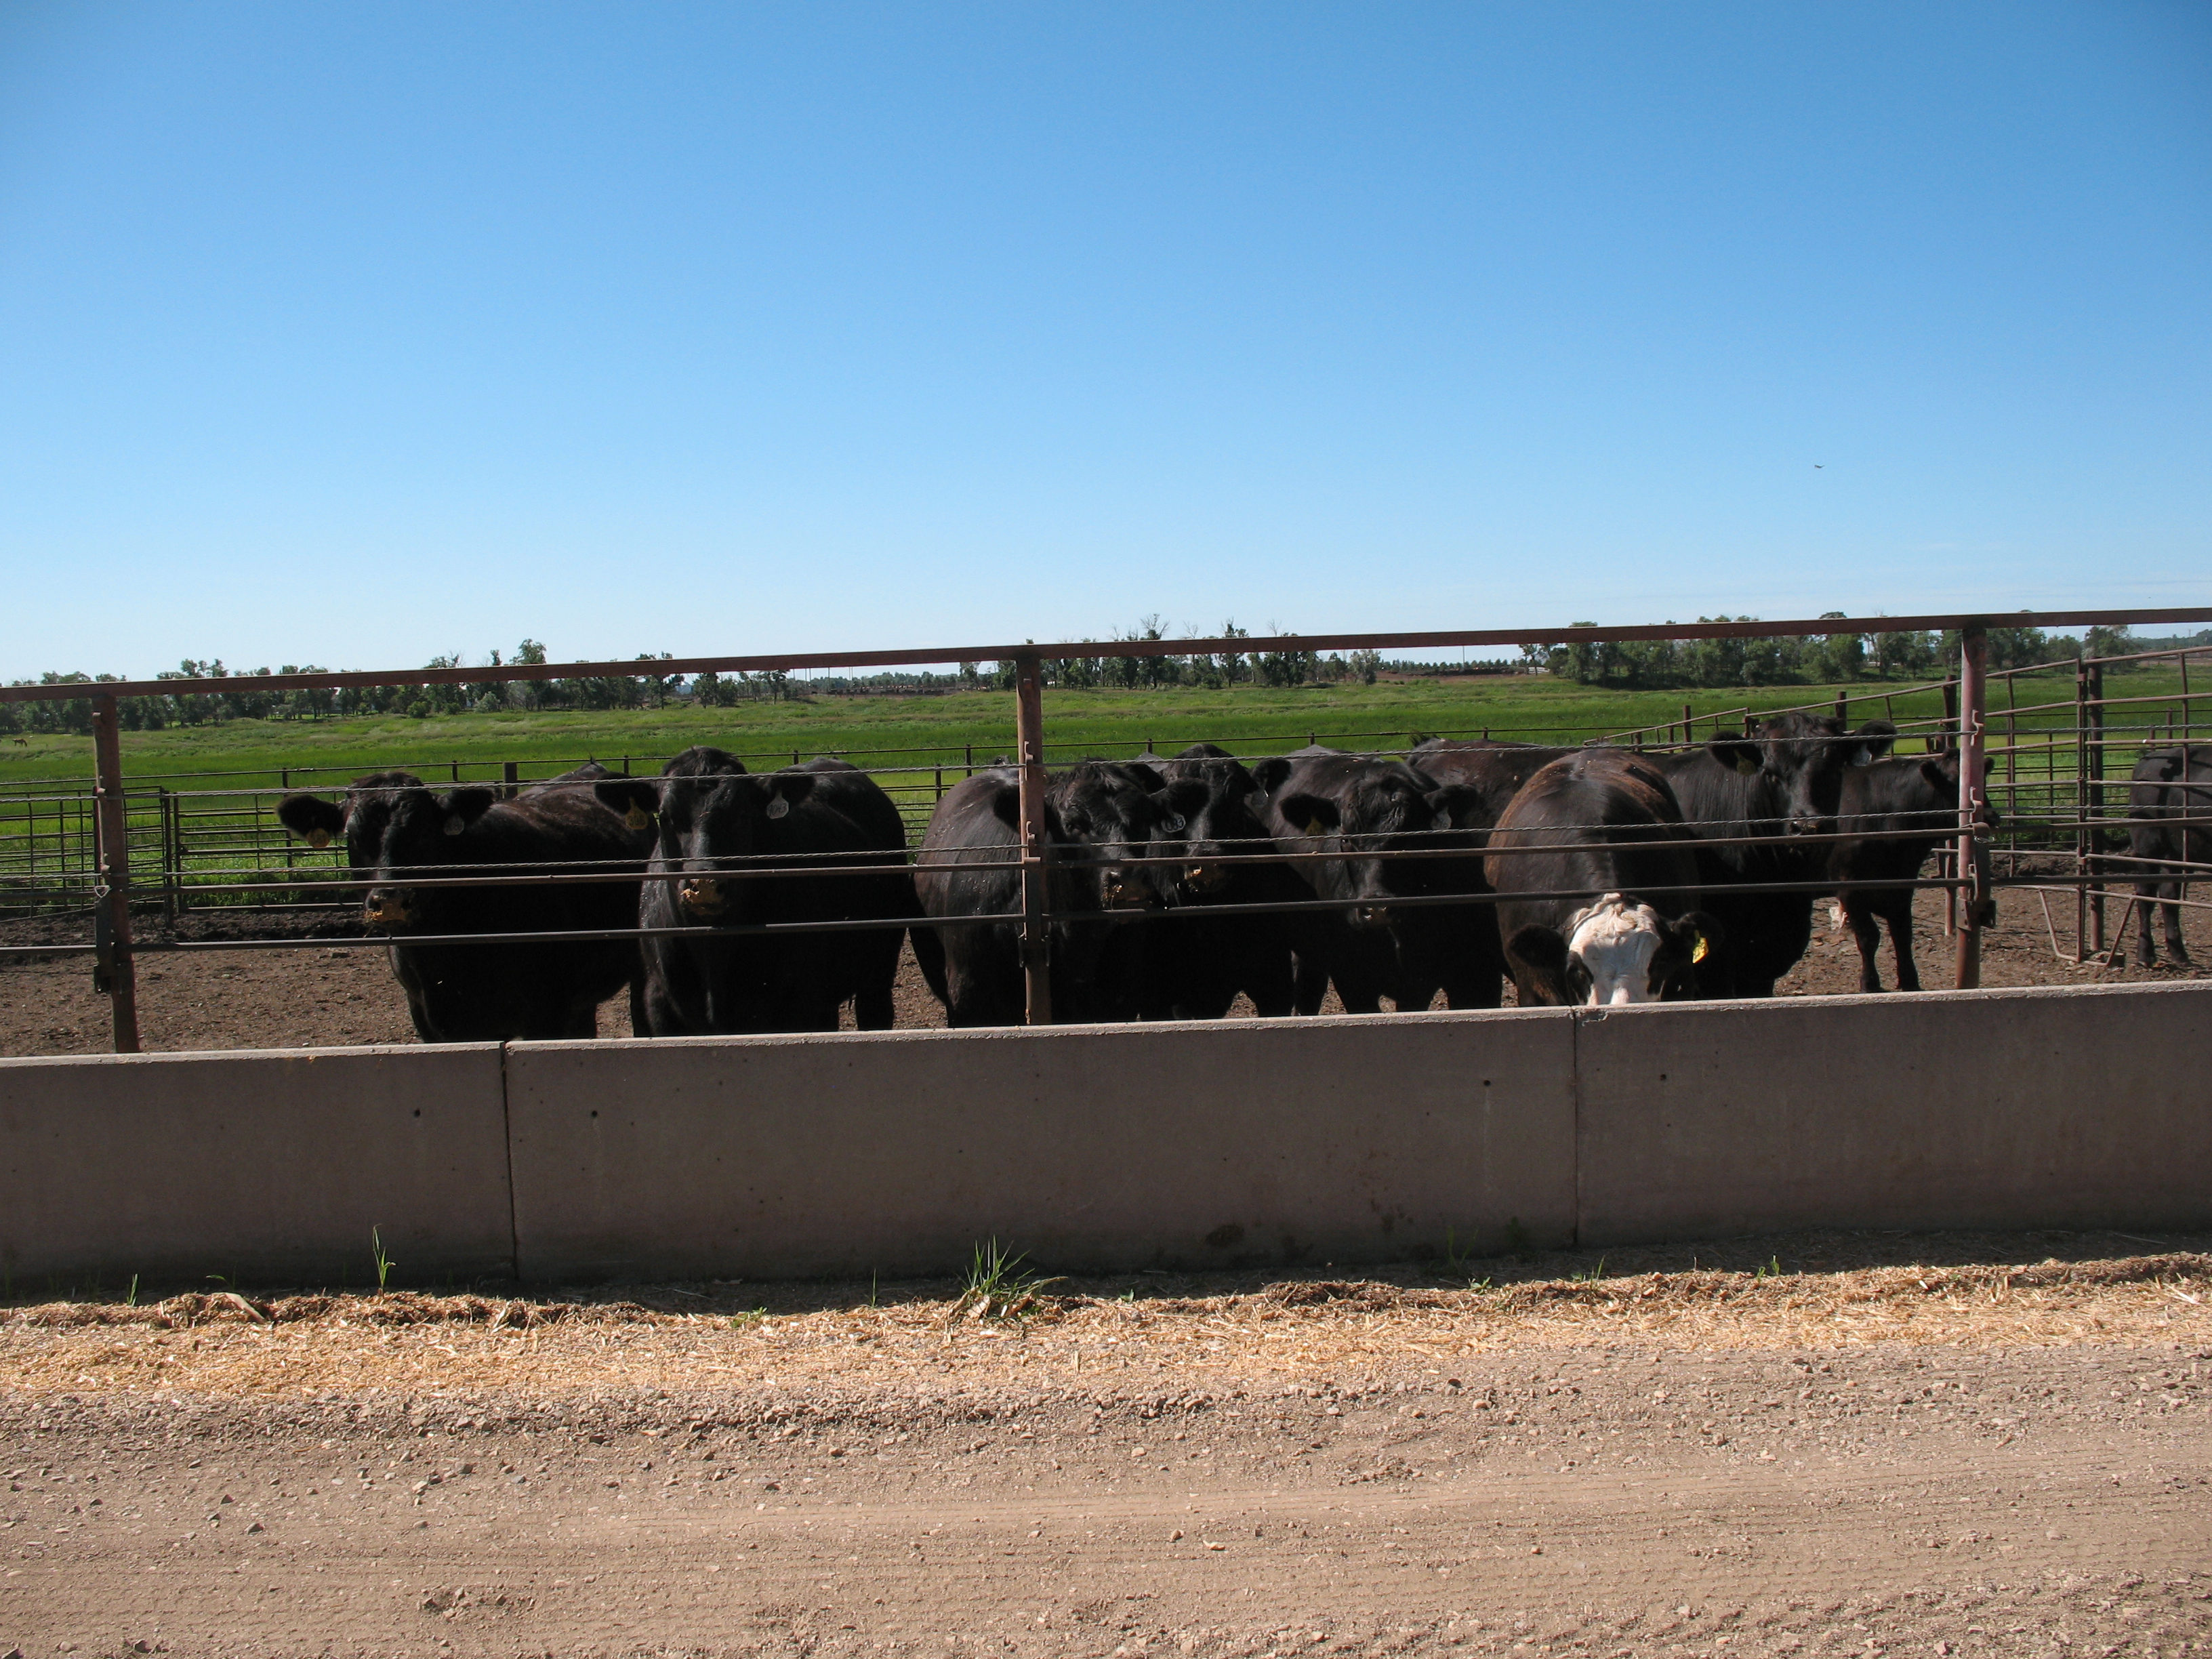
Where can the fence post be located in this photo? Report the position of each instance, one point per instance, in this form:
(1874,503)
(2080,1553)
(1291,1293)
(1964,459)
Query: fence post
(1036,933)
(2096,804)
(510,775)
(1973,857)
(2081,808)
(114,963)
(171,868)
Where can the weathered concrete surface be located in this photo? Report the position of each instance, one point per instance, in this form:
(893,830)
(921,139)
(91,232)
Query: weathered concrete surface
(2049,1108)
(1326,1140)
(272,1166)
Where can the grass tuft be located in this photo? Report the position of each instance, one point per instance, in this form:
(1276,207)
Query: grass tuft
(998,1287)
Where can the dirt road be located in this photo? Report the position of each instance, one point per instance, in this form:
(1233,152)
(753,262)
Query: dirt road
(1420,1475)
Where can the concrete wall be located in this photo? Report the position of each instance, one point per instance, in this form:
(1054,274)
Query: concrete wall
(1293,1144)
(269,1166)
(2074,1107)
(1341,1140)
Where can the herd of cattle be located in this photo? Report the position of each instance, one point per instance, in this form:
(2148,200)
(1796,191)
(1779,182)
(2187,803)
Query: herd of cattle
(1602,875)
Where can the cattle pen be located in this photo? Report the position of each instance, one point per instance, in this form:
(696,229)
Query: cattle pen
(797,1151)
(2056,743)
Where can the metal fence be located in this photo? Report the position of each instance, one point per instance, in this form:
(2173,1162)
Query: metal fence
(2061,743)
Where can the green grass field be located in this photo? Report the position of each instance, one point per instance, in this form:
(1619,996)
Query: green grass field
(900,730)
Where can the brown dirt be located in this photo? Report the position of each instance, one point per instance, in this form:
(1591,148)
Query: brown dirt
(332,995)
(1998,1455)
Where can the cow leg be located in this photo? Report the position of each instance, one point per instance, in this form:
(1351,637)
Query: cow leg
(1900,942)
(2139,912)
(1866,933)
(873,1009)
(2173,891)
(1359,989)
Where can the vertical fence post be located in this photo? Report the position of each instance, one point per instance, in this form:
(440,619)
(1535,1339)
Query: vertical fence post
(2095,744)
(1973,858)
(510,777)
(113,900)
(1028,744)
(2081,808)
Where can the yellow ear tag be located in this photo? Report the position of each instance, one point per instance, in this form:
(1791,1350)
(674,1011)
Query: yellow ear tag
(1749,769)
(1705,949)
(319,838)
(1313,827)
(636,819)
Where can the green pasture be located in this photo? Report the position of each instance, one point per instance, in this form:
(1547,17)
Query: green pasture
(917,731)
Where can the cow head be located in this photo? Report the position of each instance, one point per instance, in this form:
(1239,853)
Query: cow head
(1939,778)
(710,817)
(1797,763)
(1380,806)
(1618,951)
(1106,815)
(393,824)
(1212,794)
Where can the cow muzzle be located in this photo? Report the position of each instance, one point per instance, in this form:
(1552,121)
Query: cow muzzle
(1204,877)
(1371,916)
(388,906)
(1125,892)
(701,895)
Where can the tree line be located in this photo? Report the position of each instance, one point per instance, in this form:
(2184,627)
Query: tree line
(1816,659)
(1635,665)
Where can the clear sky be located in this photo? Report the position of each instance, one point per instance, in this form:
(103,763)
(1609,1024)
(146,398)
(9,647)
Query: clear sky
(355,334)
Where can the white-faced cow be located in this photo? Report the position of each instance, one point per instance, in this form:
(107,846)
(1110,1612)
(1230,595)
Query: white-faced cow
(1603,880)
(404,837)
(738,849)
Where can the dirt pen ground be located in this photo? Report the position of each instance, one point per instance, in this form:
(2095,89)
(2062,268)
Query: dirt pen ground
(311,998)
(1937,1445)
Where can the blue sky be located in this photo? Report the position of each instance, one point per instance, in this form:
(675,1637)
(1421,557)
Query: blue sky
(354,335)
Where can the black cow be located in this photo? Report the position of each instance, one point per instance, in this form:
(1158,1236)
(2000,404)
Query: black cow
(1100,817)
(1321,799)
(1784,780)
(735,847)
(1194,968)
(1624,927)
(2171,787)
(395,826)
(1493,769)
(1897,813)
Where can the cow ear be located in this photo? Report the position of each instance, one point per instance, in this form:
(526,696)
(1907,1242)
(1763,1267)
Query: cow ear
(1006,805)
(1875,737)
(313,820)
(1312,814)
(2169,768)
(1696,934)
(636,798)
(1989,764)
(464,806)
(1735,753)
(1147,779)
(1267,773)
(786,790)
(1539,946)
(1179,803)
(1458,804)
